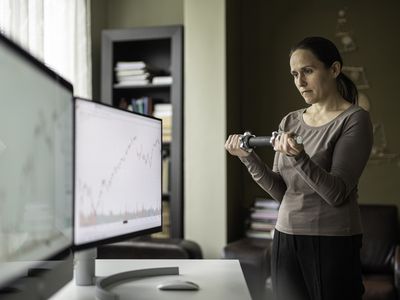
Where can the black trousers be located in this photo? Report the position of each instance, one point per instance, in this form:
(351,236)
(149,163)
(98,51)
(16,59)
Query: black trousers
(316,267)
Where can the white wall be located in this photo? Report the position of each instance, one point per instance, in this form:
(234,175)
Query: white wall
(140,13)
(205,124)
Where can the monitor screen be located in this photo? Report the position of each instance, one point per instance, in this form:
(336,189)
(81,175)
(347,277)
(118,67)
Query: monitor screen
(36,162)
(118,174)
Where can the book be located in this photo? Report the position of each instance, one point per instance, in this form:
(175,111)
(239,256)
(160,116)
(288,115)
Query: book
(130,65)
(165,174)
(143,105)
(162,80)
(163,107)
(129,83)
(260,234)
(123,78)
(264,214)
(261,226)
(166,224)
(163,111)
(167,138)
(131,72)
(266,221)
(266,203)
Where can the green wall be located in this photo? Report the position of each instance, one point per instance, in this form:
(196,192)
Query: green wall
(138,13)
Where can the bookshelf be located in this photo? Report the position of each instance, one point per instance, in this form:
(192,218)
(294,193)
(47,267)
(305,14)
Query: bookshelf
(161,49)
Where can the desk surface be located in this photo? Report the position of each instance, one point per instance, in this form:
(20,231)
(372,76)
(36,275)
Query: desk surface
(218,279)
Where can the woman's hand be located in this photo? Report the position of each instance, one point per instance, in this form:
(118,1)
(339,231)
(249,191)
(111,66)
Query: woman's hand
(286,144)
(232,145)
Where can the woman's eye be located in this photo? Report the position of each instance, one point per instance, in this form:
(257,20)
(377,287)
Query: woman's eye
(307,71)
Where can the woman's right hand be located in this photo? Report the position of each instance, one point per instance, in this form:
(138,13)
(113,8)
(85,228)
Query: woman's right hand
(232,145)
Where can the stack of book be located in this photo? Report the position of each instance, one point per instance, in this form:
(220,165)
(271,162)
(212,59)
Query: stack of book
(164,111)
(131,73)
(262,219)
(143,105)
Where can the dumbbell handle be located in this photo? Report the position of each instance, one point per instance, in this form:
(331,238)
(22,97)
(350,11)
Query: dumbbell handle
(249,141)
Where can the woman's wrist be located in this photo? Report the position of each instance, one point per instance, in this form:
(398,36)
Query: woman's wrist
(299,155)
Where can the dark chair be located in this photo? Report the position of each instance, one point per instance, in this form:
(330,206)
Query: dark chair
(380,256)
(254,256)
(151,248)
(380,253)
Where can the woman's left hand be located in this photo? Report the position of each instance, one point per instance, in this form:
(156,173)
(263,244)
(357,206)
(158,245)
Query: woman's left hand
(286,144)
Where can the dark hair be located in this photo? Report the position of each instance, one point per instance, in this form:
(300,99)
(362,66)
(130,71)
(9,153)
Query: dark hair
(327,53)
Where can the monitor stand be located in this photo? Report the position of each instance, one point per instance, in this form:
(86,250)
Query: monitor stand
(84,267)
(84,274)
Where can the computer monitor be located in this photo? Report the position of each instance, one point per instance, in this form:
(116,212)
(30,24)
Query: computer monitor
(36,163)
(118,160)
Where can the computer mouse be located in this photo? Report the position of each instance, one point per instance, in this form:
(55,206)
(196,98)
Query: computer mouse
(178,285)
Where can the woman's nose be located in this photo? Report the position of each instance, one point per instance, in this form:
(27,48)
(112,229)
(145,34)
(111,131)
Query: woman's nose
(301,81)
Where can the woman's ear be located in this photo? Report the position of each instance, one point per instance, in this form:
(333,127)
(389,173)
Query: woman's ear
(336,68)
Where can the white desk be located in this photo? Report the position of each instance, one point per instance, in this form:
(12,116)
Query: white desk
(218,279)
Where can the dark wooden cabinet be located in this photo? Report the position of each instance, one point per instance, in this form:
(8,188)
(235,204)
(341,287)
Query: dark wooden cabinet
(161,48)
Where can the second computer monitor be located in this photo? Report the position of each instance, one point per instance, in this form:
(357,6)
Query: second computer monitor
(36,169)
(117,175)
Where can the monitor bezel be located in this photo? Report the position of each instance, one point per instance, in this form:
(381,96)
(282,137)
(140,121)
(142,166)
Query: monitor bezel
(65,251)
(122,237)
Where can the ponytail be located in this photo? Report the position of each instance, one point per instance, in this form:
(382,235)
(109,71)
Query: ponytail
(347,88)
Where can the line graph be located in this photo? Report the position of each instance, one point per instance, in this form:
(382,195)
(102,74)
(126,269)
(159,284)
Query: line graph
(147,158)
(142,155)
(36,175)
(93,196)
(118,172)
(93,218)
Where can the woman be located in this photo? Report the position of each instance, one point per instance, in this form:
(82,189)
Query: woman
(317,240)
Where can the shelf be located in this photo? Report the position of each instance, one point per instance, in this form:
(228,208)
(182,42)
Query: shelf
(147,86)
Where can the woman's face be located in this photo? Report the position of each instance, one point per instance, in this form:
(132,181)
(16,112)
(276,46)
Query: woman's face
(313,80)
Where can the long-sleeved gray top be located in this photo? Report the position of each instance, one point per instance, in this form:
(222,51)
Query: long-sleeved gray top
(318,188)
